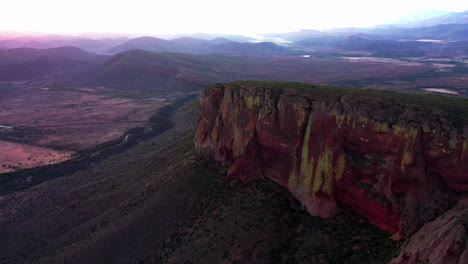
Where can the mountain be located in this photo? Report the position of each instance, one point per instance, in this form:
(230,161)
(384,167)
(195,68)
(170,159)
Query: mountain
(448,32)
(168,72)
(21,55)
(145,43)
(220,40)
(90,45)
(193,45)
(202,46)
(48,65)
(87,44)
(450,18)
(187,41)
(138,69)
(435,41)
(23,42)
(454,28)
(420,15)
(236,38)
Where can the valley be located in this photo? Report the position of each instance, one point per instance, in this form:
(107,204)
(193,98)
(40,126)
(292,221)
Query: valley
(95,99)
(66,121)
(78,110)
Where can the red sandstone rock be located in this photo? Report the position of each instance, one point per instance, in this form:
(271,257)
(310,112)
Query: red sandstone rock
(385,161)
(442,241)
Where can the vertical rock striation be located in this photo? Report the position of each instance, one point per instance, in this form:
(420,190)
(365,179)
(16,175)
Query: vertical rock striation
(385,155)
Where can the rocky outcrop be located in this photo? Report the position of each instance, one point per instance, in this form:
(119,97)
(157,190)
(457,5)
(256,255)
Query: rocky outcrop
(442,241)
(394,158)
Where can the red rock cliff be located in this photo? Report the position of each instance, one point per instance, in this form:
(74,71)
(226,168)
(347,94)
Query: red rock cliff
(394,161)
(442,240)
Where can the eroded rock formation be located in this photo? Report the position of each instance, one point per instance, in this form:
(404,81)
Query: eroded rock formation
(390,157)
(443,240)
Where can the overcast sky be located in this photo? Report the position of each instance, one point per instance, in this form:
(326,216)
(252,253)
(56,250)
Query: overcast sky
(210,16)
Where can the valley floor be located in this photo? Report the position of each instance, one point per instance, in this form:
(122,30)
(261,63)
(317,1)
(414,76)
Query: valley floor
(41,125)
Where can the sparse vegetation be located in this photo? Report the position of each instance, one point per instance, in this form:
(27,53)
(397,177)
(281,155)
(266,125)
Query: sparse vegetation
(456,108)
(266,225)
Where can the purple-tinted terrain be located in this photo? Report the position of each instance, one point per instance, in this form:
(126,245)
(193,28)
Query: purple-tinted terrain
(336,146)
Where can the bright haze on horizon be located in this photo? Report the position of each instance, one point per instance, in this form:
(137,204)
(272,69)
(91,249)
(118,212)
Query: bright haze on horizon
(207,16)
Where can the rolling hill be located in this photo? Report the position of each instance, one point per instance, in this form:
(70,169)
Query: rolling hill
(172,72)
(202,46)
(88,44)
(21,55)
(145,43)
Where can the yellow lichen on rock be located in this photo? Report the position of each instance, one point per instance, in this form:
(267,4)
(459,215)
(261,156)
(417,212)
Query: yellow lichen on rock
(396,129)
(406,160)
(307,167)
(382,127)
(339,119)
(323,180)
(301,116)
(252,101)
(363,119)
(408,150)
(306,170)
(292,182)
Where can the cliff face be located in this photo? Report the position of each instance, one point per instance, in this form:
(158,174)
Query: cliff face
(394,161)
(440,241)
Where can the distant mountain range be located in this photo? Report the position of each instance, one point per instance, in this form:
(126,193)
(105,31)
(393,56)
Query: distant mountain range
(135,69)
(188,45)
(202,46)
(169,72)
(54,64)
(46,42)
(448,32)
(435,35)
(449,18)
(21,55)
(434,24)
(419,15)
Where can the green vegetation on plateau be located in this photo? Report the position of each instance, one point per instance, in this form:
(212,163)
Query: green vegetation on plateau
(425,104)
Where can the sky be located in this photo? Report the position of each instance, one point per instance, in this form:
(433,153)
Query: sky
(207,16)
